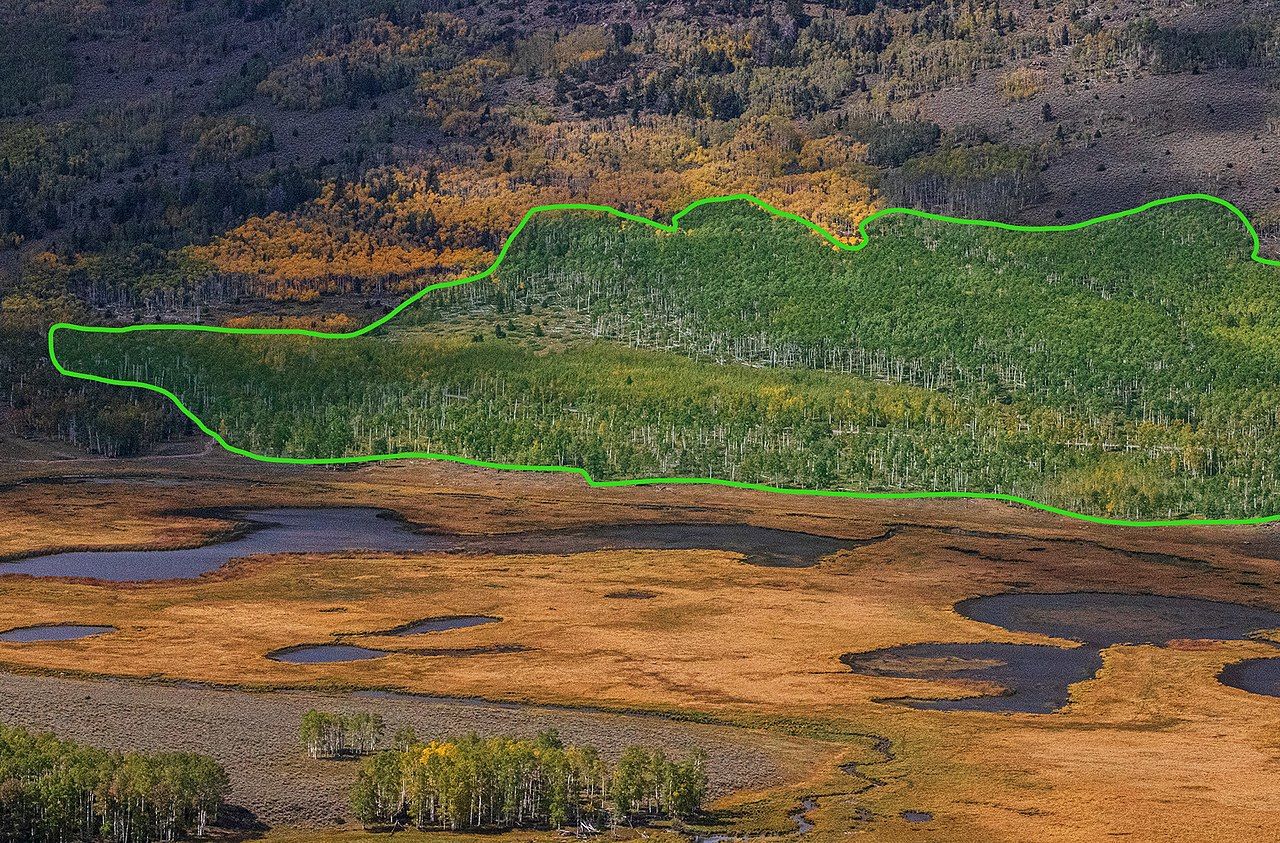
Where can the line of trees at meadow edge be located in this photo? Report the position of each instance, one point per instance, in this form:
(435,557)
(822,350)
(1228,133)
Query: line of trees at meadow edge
(470,782)
(507,782)
(329,735)
(54,790)
(748,96)
(1127,369)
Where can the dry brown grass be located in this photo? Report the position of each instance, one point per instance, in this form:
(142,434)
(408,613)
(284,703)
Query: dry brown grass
(347,835)
(1154,748)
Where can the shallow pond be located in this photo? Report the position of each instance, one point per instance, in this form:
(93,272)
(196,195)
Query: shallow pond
(325,654)
(293,530)
(766,546)
(1104,619)
(53,632)
(1036,678)
(1257,676)
(442,624)
(336,529)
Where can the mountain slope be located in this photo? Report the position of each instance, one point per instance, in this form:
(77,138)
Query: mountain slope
(1125,368)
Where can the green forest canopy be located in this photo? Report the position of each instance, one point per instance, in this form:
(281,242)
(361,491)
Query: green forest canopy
(507,782)
(54,790)
(1129,368)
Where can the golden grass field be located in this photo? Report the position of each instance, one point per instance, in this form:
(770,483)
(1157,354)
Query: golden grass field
(353,836)
(1153,749)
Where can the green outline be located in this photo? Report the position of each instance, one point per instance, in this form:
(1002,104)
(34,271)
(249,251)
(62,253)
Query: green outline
(863,241)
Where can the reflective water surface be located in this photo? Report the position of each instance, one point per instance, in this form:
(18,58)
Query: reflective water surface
(53,632)
(1036,678)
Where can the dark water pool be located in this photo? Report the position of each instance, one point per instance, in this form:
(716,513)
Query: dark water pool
(1257,676)
(1036,678)
(340,652)
(917,816)
(758,545)
(443,624)
(325,654)
(293,530)
(53,632)
(1105,620)
(336,529)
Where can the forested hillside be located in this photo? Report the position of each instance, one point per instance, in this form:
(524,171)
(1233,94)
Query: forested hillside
(1128,368)
(312,162)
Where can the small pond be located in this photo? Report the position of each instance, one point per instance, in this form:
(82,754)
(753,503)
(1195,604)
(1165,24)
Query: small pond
(758,545)
(53,632)
(1036,678)
(325,654)
(1257,676)
(442,624)
(1104,619)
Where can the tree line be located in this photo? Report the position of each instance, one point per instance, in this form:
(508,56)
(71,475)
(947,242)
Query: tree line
(329,735)
(54,790)
(791,101)
(1125,369)
(471,782)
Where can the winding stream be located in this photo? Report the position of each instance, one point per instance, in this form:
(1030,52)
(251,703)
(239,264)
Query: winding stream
(338,529)
(285,530)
